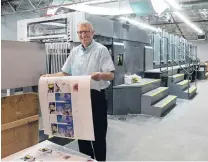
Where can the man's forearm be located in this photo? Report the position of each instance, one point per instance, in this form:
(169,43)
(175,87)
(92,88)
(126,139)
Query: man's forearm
(107,76)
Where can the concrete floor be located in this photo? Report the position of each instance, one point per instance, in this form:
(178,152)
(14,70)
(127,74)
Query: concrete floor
(181,135)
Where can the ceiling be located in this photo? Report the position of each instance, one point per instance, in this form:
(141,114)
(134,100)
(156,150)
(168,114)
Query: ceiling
(195,10)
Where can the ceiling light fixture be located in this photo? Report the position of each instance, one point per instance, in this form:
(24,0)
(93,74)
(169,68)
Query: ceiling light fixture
(159,6)
(139,24)
(173,4)
(176,6)
(96,1)
(188,22)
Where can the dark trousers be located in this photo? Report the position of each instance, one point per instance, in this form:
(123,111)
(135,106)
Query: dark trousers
(97,149)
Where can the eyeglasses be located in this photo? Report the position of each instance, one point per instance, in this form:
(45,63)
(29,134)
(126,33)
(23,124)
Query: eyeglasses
(85,32)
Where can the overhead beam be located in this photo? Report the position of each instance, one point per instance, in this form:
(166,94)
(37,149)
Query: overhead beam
(193,2)
(177,26)
(42,8)
(172,23)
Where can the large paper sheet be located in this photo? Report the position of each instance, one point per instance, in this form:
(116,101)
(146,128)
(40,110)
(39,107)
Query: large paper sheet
(47,154)
(66,107)
(48,151)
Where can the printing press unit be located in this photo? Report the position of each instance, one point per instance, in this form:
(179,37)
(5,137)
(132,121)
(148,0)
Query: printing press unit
(167,63)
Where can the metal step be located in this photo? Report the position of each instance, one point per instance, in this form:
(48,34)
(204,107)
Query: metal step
(191,91)
(154,95)
(183,84)
(165,104)
(150,85)
(176,78)
(160,107)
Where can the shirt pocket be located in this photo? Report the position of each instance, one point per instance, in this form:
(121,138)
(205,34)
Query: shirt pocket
(93,64)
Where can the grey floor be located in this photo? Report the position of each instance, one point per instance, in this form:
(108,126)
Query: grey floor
(180,135)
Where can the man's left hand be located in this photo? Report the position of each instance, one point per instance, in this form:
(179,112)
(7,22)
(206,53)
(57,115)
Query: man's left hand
(96,76)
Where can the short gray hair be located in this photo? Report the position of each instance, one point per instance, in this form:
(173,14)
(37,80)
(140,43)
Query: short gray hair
(85,22)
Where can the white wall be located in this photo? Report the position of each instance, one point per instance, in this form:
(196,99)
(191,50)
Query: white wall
(202,48)
(9,24)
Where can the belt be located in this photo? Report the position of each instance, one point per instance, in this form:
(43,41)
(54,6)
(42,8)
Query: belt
(102,90)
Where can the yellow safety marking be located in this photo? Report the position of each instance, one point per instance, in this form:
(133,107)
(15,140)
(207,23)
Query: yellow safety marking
(178,75)
(150,82)
(158,92)
(191,89)
(166,102)
(183,82)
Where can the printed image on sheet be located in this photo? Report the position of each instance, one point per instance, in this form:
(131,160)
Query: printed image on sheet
(52,107)
(50,87)
(63,108)
(62,87)
(48,154)
(61,102)
(65,119)
(66,130)
(75,87)
(54,129)
(63,97)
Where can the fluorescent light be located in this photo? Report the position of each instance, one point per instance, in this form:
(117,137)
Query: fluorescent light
(139,24)
(188,22)
(94,10)
(173,4)
(96,1)
(159,5)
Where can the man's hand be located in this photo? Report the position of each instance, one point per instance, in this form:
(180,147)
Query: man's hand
(102,76)
(96,76)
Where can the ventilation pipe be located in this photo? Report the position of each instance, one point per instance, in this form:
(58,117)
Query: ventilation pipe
(115,8)
(201,4)
(148,7)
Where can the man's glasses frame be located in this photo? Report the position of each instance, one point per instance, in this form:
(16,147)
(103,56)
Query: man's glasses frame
(85,32)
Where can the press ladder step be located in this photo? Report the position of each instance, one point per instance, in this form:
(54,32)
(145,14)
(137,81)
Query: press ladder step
(191,91)
(168,101)
(183,84)
(156,91)
(176,78)
(155,95)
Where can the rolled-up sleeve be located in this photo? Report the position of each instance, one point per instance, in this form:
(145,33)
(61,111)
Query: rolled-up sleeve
(67,67)
(106,61)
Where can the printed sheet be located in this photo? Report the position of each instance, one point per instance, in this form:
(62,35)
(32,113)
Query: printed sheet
(47,154)
(66,107)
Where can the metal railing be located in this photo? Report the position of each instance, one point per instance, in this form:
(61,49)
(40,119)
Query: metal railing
(185,54)
(190,74)
(162,54)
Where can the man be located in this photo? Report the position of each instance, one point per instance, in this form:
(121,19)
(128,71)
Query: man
(92,58)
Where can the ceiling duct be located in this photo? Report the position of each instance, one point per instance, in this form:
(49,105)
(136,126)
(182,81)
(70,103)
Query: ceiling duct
(148,7)
(116,7)
(200,4)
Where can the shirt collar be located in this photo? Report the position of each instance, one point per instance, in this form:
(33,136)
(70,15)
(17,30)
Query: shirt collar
(88,47)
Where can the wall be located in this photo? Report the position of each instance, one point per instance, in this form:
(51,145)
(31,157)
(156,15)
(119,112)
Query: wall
(9,24)
(202,47)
